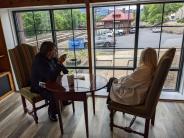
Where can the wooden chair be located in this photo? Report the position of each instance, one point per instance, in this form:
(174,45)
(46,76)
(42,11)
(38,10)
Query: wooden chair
(148,109)
(21,58)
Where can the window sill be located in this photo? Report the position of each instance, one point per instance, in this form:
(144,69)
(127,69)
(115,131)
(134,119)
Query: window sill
(171,96)
(165,96)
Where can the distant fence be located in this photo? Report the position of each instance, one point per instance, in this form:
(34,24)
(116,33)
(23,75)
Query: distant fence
(61,37)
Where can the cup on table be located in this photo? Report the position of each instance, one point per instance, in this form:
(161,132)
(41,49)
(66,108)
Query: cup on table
(42,84)
(70,79)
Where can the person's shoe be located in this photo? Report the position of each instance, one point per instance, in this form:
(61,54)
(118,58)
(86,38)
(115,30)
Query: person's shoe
(67,102)
(53,117)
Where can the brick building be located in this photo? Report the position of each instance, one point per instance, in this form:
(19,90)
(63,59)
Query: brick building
(121,19)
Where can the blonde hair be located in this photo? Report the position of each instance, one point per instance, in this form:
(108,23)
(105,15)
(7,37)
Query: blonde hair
(149,58)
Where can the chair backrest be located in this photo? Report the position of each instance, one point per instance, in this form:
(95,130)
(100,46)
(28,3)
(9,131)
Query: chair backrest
(158,81)
(22,57)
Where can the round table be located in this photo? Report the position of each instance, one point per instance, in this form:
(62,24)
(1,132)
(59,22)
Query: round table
(82,82)
(76,88)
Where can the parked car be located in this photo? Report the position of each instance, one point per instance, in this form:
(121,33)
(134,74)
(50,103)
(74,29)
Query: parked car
(132,30)
(156,29)
(78,43)
(102,41)
(117,32)
(110,34)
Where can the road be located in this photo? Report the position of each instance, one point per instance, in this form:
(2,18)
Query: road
(146,39)
(149,39)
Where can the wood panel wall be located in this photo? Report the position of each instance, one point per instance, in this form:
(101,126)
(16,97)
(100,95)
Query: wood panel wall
(5,68)
(4,60)
(26,3)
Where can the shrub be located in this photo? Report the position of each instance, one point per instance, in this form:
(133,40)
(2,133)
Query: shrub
(180,20)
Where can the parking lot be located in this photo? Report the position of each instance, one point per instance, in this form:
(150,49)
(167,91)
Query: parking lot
(146,39)
(149,39)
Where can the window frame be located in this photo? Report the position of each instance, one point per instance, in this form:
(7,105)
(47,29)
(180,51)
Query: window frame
(136,48)
(53,30)
(178,69)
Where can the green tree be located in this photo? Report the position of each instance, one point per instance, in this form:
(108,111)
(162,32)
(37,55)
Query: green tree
(145,13)
(42,20)
(63,19)
(152,13)
(99,18)
(28,23)
(79,18)
(38,21)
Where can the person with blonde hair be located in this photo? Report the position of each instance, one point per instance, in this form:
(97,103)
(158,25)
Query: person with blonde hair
(131,89)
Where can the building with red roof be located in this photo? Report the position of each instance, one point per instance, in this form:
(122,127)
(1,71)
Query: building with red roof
(121,19)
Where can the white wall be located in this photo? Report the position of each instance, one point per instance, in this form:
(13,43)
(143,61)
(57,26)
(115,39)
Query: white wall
(181,90)
(7,25)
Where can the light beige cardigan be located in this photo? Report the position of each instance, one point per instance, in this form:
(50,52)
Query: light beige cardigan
(131,90)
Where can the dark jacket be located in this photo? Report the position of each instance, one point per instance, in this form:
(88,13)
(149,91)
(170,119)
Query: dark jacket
(44,70)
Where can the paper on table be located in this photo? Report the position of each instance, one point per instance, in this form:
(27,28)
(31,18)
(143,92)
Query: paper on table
(42,84)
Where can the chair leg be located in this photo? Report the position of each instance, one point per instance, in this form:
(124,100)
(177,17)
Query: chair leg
(146,129)
(153,118)
(73,106)
(59,108)
(111,119)
(35,114)
(24,104)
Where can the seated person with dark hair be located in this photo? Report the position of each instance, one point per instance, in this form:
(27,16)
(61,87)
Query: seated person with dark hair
(46,66)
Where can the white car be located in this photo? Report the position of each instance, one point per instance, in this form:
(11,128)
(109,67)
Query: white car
(110,34)
(101,41)
(104,41)
(156,29)
(132,30)
(117,32)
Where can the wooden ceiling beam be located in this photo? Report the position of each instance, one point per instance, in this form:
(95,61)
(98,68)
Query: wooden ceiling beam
(28,3)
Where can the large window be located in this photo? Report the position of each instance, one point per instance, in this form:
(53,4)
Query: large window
(164,29)
(33,27)
(122,32)
(65,27)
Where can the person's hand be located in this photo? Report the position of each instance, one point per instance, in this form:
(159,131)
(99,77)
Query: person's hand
(62,58)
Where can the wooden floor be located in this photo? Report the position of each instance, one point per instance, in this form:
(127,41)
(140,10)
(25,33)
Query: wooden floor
(14,123)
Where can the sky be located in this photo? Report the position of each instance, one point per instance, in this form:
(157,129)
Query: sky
(105,10)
